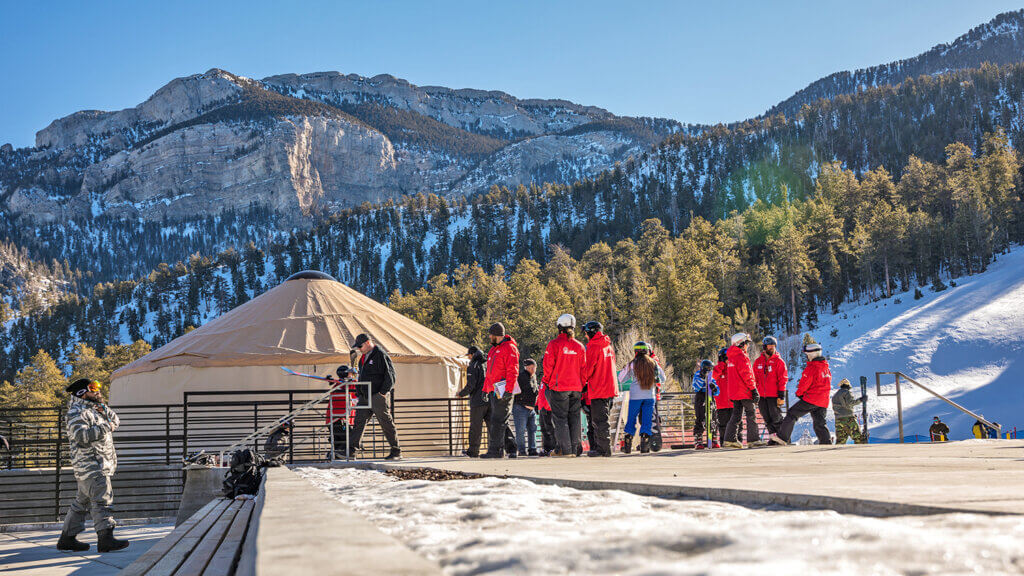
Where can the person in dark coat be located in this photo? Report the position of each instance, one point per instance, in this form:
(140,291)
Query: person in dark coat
(376,368)
(524,409)
(938,430)
(479,406)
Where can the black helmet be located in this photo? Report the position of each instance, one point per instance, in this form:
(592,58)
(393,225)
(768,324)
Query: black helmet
(592,327)
(344,370)
(769,340)
(723,354)
(705,365)
(642,347)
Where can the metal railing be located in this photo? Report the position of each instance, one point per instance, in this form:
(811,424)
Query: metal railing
(899,400)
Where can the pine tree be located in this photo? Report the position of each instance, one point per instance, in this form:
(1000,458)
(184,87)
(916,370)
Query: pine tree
(793,268)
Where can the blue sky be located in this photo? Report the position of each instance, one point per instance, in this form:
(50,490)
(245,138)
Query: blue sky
(691,61)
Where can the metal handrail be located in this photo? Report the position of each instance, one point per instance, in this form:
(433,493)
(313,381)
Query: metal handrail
(899,401)
(301,409)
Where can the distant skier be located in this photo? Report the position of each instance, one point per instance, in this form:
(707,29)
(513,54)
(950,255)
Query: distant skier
(843,405)
(599,372)
(479,406)
(813,390)
(980,430)
(501,385)
(938,430)
(771,376)
(742,392)
(564,363)
(642,375)
(705,389)
(723,405)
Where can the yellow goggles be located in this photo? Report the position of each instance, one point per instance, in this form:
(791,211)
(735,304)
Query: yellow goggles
(94,386)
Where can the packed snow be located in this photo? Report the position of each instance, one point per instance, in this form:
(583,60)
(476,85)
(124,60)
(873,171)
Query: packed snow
(512,526)
(965,342)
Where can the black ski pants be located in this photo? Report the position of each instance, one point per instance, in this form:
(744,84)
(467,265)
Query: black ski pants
(499,432)
(478,416)
(565,415)
(739,409)
(598,432)
(798,411)
(547,431)
(770,413)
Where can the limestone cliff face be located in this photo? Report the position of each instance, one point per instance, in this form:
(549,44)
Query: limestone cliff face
(302,144)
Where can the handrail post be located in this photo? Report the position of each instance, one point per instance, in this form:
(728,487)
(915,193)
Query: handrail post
(56,483)
(451,440)
(167,434)
(899,405)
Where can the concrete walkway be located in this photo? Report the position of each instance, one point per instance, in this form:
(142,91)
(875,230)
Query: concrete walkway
(875,480)
(34,553)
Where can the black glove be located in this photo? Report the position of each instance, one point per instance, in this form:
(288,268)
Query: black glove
(754,395)
(782,395)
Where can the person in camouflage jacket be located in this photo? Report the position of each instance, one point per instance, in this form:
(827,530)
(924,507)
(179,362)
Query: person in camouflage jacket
(91,426)
(843,404)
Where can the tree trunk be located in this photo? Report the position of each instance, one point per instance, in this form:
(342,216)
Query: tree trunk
(888,285)
(794,328)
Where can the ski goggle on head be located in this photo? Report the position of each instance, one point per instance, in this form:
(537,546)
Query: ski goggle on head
(92,386)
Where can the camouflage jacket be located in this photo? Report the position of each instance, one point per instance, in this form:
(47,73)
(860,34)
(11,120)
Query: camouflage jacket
(91,435)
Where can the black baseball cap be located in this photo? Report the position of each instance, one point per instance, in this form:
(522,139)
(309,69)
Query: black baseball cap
(360,340)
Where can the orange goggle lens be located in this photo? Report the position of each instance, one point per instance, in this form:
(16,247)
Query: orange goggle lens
(94,386)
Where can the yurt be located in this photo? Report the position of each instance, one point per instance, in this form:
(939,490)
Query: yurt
(308,324)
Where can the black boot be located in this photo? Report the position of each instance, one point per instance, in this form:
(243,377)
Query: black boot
(69,543)
(105,541)
(645,443)
(627,443)
(396,454)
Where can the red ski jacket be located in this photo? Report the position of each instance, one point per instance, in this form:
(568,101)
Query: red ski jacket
(815,383)
(740,374)
(770,374)
(599,368)
(722,401)
(542,398)
(502,364)
(338,403)
(564,361)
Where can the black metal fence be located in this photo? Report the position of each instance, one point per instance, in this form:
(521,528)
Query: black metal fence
(36,483)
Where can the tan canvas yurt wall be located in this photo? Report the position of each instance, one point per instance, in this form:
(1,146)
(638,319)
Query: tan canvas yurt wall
(307,323)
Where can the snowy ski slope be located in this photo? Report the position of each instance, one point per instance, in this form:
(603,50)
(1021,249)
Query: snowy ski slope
(965,342)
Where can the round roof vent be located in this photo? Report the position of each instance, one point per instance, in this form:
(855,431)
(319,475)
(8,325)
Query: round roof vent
(310,275)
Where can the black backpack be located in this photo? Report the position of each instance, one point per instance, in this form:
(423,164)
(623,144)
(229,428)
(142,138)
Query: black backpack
(244,475)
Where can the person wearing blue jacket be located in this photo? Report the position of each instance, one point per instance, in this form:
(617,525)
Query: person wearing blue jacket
(704,388)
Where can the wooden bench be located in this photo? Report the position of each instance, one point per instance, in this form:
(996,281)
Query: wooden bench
(217,540)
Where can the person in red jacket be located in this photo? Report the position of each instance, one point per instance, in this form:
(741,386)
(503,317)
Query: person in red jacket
(742,392)
(501,384)
(564,362)
(813,391)
(770,374)
(340,426)
(601,388)
(723,405)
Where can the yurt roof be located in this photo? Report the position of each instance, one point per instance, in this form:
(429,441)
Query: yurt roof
(308,319)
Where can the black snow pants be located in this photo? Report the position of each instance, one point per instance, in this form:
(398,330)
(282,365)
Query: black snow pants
(798,411)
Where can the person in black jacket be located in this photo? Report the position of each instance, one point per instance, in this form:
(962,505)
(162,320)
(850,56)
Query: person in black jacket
(479,406)
(376,368)
(524,409)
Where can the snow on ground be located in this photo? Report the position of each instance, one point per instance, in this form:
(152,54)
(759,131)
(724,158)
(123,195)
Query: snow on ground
(965,342)
(512,526)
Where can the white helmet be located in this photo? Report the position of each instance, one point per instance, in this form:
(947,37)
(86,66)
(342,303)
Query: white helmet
(566,321)
(739,338)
